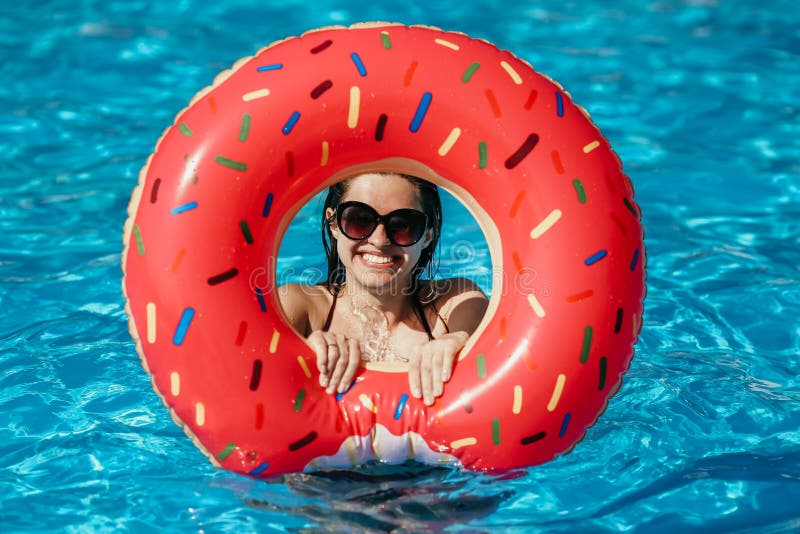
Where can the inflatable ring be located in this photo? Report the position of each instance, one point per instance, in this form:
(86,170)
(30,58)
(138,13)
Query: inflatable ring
(225,180)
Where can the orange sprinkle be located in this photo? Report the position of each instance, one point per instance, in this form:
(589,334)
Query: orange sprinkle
(557,165)
(528,357)
(212,103)
(580,296)
(517,261)
(516,204)
(493,103)
(503,328)
(531,99)
(410,73)
(177,261)
(259,416)
(241,333)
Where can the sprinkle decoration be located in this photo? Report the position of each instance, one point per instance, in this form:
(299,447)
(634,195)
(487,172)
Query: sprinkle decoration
(203,290)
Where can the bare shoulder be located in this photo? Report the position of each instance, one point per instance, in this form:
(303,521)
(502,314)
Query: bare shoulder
(460,302)
(302,304)
(458,289)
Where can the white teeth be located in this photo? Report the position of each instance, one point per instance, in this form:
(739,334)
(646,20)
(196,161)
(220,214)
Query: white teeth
(372,258)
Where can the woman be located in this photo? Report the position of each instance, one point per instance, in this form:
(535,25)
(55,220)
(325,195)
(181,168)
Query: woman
(380,232)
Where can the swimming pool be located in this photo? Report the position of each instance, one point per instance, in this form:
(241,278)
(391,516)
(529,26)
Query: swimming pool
(699,98)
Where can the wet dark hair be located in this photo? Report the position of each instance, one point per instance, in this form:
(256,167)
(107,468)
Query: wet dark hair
(431,206)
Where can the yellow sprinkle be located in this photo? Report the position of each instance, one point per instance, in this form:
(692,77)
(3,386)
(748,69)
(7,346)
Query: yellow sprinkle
(464,442)
(302,362)
(448,44)
(200,414)
(537,307)
(151,322)
(517,400)
(367,402)
(556,393)
(351,451)
(352,114)
(546,224)
(175,384)
(591,146)
(273,344)
(325,153)
(252,95)
(511,72)
(449,142)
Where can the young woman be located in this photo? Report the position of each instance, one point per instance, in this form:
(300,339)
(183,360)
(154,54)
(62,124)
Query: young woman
(380,232)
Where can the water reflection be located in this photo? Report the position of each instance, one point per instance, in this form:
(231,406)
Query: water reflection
(383,498)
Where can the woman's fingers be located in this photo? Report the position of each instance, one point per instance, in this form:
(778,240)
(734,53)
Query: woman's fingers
(353,361)
(414,382)
(338,358)
(320,345)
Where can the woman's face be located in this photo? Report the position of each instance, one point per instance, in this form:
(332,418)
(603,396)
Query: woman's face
(374,262)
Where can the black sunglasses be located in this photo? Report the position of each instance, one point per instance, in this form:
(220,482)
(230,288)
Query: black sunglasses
(404,227)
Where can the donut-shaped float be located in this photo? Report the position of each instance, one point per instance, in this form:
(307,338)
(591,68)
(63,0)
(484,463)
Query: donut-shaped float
(225,180)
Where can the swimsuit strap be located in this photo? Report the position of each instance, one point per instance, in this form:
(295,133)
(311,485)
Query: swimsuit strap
(330,313)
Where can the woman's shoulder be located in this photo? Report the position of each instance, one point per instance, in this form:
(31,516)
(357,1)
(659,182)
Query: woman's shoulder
(303,304)
(445,289)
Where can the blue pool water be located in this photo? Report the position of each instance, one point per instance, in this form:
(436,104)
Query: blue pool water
(701,99)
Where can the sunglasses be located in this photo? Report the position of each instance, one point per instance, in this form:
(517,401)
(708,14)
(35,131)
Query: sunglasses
(403,227)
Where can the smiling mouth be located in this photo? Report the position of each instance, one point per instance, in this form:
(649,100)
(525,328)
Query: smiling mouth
(375,260)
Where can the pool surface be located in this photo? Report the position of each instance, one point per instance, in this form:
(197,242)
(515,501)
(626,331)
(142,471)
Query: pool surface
(700,98)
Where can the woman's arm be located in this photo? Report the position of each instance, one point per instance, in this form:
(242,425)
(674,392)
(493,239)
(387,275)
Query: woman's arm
(462,309)
(338,357)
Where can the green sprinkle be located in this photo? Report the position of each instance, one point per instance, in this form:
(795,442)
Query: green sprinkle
(229,448)
(137,234)
(246,232)
(469,72)
(244,131)
(185,129)
(587,344)
(496,431)
(481,366)
(482,154)
(576,183)
(387,42)
(238,165)
(630,207)
(603,365)
(298,401)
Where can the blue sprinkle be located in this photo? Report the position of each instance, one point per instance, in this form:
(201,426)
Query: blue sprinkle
(359,64)
(343,393)
(564,425)
(400,405)
(261,301)
(422,109)
(559,104)
(183,326)
(291,122)
(186,207)
(267,205)
(260,469)
(597,256)
(635,259)
(274,66)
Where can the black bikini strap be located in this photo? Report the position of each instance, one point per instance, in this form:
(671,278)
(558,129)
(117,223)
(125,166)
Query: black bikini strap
(330,313)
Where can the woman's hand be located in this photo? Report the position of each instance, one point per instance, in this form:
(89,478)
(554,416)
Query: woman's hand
(338,359)
(432,364)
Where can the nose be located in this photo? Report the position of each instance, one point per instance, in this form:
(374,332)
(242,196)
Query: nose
(378,238)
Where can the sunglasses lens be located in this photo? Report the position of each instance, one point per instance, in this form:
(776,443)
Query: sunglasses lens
(357,222)
(405,227)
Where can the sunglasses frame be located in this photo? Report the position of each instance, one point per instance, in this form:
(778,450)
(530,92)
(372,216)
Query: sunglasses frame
(379,219)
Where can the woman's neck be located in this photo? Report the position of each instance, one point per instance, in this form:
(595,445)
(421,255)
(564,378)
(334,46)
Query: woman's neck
(394,303)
